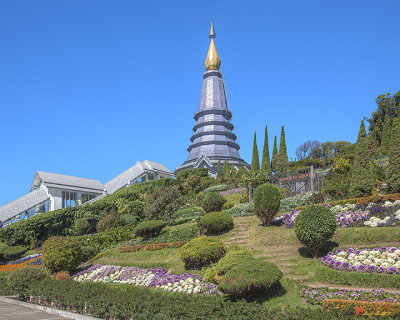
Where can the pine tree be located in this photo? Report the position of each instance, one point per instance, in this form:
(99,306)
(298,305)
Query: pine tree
(266,163)
(226,171)
(283,160)
(219,174)
(385,141)
(274,156)
(255,161)
(361,181)
(394,162)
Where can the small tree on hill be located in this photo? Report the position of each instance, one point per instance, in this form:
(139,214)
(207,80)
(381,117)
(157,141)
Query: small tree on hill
(226,171)
(255,161)
(362,181)
(394,162)
(385,142)
(266,163)
(283,160)
(219,174)
(274,156)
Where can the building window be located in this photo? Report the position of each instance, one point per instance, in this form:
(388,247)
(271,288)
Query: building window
(68,199)
(87,197)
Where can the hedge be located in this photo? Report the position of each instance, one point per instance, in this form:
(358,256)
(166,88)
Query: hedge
(149,228)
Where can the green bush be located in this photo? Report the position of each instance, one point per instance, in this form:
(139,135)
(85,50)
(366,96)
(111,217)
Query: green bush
(19,281)
(129,219)
(14,252)
(249,277)
(227,205)
(314,226)
(213,202)
(232,259)
(111,237)
(4,289)
(88,252)
(149,228)
(215,222)
(61,253)
(188,213)
(82,226)
(219,188)
(2,247)
(267,199)
(184,234)
(136,207)
(201,252)
(111,220)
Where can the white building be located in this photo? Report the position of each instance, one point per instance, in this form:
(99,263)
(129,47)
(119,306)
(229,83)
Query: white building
(51,191)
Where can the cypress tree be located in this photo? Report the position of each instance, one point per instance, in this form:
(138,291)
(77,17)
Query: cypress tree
(255,160)
(385,141)
(226,171)
(283,160)
(266,163)
(361,181)
(274,156)
(394,162)
(219,175)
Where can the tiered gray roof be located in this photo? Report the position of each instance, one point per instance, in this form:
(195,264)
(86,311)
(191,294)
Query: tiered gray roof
(23,204)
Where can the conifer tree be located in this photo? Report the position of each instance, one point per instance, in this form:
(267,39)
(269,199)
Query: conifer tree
(226,171)
(274,156)
(219,174)
(361,181)
(255,160)
(394,162)
(266,163)
(385,141)
(282,162)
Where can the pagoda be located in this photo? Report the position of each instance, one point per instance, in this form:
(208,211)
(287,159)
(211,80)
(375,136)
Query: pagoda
(213,139)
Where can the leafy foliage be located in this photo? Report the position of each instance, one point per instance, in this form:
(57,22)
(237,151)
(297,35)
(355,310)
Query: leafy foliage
(267,200)
(149,228)
(314,226)
(61,253)
(394,162)
(19,281)
(243,209)
(215,222)
(266,162)
(82,226)
(282,161)
(201,252)
(385,140)
(232,259)
(13,252)
(255,161)
(111,220)
(274,165)
(213,202)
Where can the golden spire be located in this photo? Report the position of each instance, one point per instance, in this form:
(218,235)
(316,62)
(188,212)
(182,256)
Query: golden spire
(212,61)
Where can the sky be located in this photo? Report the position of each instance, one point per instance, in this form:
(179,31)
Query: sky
(87,88)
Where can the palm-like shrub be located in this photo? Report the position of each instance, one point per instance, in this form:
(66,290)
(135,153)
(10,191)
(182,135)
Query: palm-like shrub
(213,202)
(267,199)
(314,226)
(215,222)
(201,252)
(61,253)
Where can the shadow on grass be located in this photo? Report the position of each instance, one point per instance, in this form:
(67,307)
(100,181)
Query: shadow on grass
(277,290)
(329,246)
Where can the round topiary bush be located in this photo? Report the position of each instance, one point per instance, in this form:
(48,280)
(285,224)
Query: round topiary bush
(213,202)
(314,226)
(215,222)
(249,277)
(149,228)
(201,252)
(232,259)
(267,200)
(61,253)
(13,252)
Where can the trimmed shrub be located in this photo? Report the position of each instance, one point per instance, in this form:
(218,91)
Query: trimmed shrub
(30,253)
(227,205)
(2,247)
(82,226)
(62,275)
(149,228)
(14,252)
(219,188)
(61,253)
(88,252)
(215,222)
(213,202)
(232,259)
(129,220)
(187,214)
(111,220)
(249,277)
(19,281)
(201,252)
(314,226)
(267,200)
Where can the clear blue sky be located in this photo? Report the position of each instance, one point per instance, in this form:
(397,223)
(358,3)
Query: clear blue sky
(87,88)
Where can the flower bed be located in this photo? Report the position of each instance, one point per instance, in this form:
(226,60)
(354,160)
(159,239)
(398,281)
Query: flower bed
(383,260)
(156,278)
(151,247)
(363,307)
(33,260)
(316,296)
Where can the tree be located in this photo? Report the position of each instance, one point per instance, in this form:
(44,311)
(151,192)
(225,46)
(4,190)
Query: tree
(255,161)
(274,156)
(394,162)
(303,150)
(385,140)
(361,181)
(226,171)
(219,174)
(283,160)
(266,163)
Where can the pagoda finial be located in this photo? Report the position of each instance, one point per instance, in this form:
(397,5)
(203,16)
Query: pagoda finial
(212,61)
